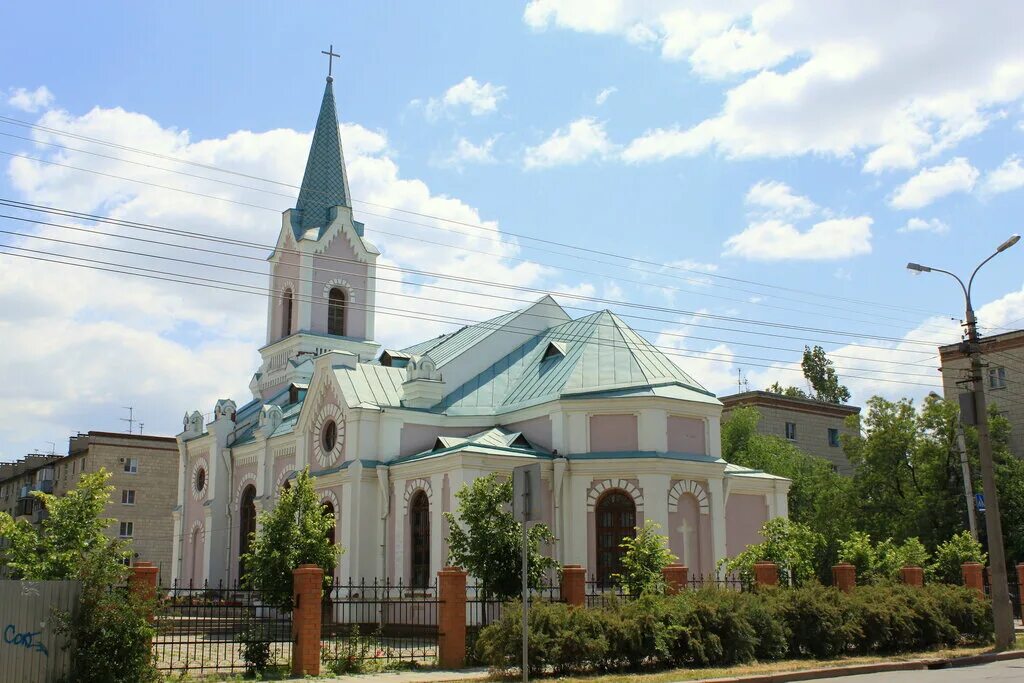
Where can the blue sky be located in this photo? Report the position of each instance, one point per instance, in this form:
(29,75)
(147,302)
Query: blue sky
(783,143)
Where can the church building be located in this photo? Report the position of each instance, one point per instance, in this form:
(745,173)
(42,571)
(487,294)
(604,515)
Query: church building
(622,433)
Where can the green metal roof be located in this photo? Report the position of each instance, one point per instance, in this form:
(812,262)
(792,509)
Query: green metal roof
(602,354)
(325,183)
(371,384)
(459,341)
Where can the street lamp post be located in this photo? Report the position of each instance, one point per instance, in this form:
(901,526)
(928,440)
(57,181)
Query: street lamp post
(1002,613)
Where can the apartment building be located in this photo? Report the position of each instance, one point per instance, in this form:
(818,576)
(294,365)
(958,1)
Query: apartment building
(1003,355)
(143,473)
(815,427)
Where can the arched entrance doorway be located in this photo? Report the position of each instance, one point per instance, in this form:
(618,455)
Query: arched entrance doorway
(419,535)
(246,525)
(615,515)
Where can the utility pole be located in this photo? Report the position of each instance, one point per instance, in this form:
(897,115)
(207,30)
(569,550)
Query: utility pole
(1002,613)
(965,465)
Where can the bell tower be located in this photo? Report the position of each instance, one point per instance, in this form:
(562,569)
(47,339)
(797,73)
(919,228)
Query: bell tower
(322,270)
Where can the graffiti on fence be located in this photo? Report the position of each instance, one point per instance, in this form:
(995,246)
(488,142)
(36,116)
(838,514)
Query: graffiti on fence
(25,639)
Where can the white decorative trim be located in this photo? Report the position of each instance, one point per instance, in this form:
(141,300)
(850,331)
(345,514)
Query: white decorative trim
(338,282)
(414,485)
(281,479)
(328,411)
(198,494)
(692,487)
(289,286)
(249,477)
(628,487)
(329,496)
(196,526)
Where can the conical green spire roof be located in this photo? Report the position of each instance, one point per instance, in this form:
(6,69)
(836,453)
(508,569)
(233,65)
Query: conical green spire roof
(325,183)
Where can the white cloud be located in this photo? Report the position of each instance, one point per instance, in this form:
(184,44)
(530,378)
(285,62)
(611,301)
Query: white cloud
(777,198)
(467,95)
(957,175)
(30,100)
(584,139)
(921,225)
(79,344)
(467,152)
(603,96)
(838,78)
(1009,176)
(776,240)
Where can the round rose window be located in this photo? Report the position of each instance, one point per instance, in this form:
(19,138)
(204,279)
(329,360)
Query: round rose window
(200,480)
(329,436)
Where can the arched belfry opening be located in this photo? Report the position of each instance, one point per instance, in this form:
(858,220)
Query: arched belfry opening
(337,302)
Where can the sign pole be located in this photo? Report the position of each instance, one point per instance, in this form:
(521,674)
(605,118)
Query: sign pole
(526,585)
(525,479)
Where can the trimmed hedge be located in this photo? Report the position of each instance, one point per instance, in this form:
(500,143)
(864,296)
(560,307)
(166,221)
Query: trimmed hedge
(713,627)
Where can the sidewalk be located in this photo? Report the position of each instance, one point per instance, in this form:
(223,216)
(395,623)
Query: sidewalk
(431,676)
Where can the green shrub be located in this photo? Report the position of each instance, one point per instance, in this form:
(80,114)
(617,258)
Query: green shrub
(819,621)
(949,557)
(969,615)
(254,648)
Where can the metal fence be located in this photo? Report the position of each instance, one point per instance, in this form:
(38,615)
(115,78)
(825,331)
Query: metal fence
(379,622)
(30,650)
(216,629)
(735,583)
(483,608)
(1014,586)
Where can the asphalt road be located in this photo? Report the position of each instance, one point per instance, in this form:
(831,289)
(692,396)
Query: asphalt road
(1012,670)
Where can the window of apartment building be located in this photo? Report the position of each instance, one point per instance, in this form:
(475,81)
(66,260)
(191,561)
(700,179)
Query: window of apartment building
(833,437)
(74,464)
(127,496)
(791,431)
(131,465)
(997,378)
(127,530)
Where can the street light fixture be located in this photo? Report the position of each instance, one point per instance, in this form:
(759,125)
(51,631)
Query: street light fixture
(1002,613)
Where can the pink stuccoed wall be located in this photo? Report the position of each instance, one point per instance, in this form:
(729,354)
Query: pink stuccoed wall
(285,273)
(686,435)
(613,433)
(194,555)
(418,438)
(281,465)
(701,560)
(537,431)
(325,269)
(745,514)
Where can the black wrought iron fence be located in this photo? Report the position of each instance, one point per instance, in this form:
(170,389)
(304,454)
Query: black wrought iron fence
(484,607)
(1014,587)
(603,593)
(219,629)
(378,621)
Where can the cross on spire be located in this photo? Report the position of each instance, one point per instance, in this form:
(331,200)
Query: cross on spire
(331,54)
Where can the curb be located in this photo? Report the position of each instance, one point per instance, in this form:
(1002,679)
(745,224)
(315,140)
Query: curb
(878,667)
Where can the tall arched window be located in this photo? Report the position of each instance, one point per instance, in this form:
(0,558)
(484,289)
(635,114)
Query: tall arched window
(419,527)
(336,302)
(286,313)
(246,525)
(616,520)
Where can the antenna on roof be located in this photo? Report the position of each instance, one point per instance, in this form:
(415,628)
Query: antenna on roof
(53,447)
(141,425)
(131,417)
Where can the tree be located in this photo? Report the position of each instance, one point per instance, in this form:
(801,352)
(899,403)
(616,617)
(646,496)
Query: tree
(821,375)
(294,532)
(790,545)
(952,554)
(818,497)
(646,554)
(485,539)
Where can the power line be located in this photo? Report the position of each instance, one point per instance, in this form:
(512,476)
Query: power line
(874,304)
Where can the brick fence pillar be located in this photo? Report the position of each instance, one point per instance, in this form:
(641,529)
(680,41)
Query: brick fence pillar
(451,618)
(307,587)
(675,577)
(971,572)
(142,580)
(766,574)
(574,587)
(844,576)
(912,576)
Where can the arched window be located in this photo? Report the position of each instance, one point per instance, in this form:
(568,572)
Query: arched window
(336,311)
(616,520)
(246,525)
(286,313)
(419,526)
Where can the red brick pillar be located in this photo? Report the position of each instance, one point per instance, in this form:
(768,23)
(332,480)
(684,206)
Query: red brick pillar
(766,574)
(142,580)
(675,576)
(912,576)
(574,586)
(307,588)
(971,571)
(844,576)
(451,618)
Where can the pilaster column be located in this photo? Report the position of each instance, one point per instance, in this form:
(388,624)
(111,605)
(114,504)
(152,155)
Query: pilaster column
(306,298)
(652,425)
(716,492)
(400,524)
(437,562)
(655,488)
(714,434)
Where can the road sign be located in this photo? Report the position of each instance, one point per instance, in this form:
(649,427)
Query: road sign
(979,502)
(526,492)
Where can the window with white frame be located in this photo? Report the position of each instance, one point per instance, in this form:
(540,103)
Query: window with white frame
(131,465)
(127,496)
(997,378)
(791,431)
(127,530)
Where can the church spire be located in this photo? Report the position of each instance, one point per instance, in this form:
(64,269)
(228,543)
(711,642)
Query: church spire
(325,183)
